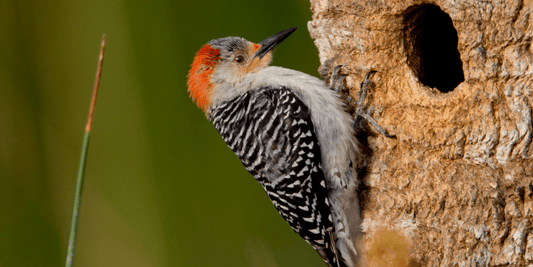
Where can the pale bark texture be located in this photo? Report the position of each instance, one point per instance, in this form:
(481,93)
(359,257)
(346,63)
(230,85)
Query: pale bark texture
(454,84)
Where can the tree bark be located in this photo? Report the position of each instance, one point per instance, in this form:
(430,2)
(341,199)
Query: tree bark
(455,187)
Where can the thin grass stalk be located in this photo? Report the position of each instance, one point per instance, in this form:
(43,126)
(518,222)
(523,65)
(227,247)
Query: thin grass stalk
(83,159)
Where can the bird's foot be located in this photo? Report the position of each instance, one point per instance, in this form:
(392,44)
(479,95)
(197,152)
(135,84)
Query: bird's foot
(335,82)
(359,113)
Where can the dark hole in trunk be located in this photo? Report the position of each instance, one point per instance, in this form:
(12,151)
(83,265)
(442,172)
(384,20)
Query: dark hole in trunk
(431,44)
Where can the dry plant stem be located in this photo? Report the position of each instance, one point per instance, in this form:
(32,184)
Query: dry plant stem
(96,85)
(83,160)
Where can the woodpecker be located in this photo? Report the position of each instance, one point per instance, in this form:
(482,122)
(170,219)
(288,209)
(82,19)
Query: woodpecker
(292,133)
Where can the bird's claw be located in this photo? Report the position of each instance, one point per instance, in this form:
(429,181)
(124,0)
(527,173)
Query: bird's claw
(335,81)
(359,113)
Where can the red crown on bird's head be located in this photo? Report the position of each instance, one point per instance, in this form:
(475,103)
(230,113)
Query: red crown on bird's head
(199,74)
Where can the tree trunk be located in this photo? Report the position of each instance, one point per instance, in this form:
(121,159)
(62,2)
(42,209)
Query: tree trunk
(454,84)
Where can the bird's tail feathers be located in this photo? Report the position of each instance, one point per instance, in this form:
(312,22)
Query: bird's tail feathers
(329,252)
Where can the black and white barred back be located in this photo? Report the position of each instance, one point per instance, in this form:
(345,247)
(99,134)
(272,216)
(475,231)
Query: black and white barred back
(271,131)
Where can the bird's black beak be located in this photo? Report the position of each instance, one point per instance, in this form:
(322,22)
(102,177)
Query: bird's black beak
(269,43)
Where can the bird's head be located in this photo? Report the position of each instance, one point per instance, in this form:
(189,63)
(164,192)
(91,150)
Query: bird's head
(225,62)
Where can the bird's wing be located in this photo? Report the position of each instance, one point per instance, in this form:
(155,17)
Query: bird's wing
(271,131)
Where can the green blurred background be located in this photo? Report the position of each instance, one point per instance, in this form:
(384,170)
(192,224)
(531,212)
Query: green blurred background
(161,187)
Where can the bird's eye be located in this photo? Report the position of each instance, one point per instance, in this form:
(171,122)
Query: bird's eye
(239,59)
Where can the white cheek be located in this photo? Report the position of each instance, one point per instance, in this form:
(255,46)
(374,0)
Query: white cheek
(228,74)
